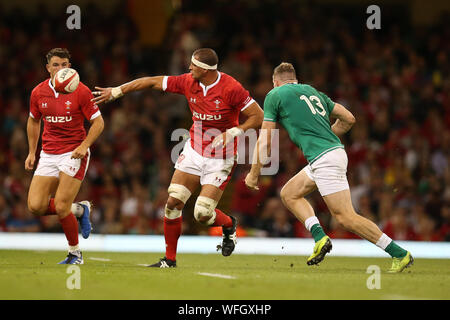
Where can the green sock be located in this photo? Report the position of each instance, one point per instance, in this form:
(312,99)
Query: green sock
(395,251)
(317,232)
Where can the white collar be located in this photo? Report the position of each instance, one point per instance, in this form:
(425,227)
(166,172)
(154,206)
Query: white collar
(51,86)
(206,88)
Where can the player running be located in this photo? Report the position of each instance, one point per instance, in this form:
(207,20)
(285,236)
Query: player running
(216,100)
(304,112)
(65,154)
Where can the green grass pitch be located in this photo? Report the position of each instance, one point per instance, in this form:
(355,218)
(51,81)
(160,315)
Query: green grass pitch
(106,275)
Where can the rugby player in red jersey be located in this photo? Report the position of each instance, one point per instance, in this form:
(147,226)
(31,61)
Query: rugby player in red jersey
(209,156)
(65,154)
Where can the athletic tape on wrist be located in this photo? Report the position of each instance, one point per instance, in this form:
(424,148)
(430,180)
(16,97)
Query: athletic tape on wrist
(235,131)
(116,92)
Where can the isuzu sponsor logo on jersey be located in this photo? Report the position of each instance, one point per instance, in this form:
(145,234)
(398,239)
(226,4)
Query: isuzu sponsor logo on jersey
(58,119)
(208,117)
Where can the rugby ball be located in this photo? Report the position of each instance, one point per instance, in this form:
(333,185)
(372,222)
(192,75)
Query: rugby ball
(66,80)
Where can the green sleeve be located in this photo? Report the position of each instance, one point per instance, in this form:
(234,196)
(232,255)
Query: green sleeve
(271,107)
(329,104)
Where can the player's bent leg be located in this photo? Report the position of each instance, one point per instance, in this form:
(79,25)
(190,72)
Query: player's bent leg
(293,192)
(340,206)
(205,212)
(293,197)
(65,194)
(41,189)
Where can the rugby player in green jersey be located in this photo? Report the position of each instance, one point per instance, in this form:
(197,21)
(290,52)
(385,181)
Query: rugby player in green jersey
(305,114)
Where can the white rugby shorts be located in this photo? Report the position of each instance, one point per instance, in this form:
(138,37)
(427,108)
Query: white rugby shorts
(329,172)
(50,165)
(210,170)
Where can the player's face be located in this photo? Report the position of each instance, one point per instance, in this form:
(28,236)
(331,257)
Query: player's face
(55,64)
(196,72)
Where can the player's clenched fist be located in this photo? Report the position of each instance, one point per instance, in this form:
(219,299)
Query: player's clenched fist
(79,152)
(29,162)
(251,181)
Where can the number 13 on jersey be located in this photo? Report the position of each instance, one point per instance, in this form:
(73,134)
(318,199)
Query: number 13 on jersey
(309,101)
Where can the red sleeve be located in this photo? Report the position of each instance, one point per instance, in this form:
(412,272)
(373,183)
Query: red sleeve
(89,109)
(177,84)
(239,97)
(34,106)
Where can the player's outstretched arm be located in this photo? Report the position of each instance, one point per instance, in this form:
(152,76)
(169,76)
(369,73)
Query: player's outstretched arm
(345,120)
(33,132)
(110,94)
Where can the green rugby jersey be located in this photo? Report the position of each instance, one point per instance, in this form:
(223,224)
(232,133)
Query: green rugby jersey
(304,112)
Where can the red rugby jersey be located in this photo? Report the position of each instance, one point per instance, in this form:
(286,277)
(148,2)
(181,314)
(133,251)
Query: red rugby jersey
(215,108)
(63,116)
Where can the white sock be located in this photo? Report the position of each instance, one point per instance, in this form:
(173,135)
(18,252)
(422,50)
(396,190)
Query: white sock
(75,250)
(310,222)
(383,242)
(77,209)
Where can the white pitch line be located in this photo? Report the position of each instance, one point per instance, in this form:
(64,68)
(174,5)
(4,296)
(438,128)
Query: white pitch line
(142,265)
(99,259)
(223,276)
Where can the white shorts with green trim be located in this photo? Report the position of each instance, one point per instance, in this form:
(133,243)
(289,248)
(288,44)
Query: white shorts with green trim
(329,172)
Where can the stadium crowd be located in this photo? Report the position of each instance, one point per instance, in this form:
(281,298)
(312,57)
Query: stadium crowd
(396,81)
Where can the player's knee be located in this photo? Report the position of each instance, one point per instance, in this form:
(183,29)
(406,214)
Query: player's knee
(172,213)
(204,210)
(287,195)
(62,206)
(174,204)
(36,208)
(344,220)
(178,196)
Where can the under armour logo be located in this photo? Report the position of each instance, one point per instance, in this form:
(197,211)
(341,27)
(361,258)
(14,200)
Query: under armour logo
(217,102)
(193,100)
(68,103)
(44,104)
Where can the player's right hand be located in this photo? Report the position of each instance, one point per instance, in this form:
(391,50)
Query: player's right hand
(29,162)
(251,181)
(103,95)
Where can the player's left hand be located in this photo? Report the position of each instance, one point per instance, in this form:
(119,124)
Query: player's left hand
(222,140)
(79,152)
(251,181)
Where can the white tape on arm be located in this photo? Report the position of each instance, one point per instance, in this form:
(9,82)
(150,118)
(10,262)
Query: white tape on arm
(116,92)
(235,131)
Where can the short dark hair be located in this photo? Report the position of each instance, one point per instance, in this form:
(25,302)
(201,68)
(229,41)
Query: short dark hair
(206,55)
(58,52)
(285,71)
